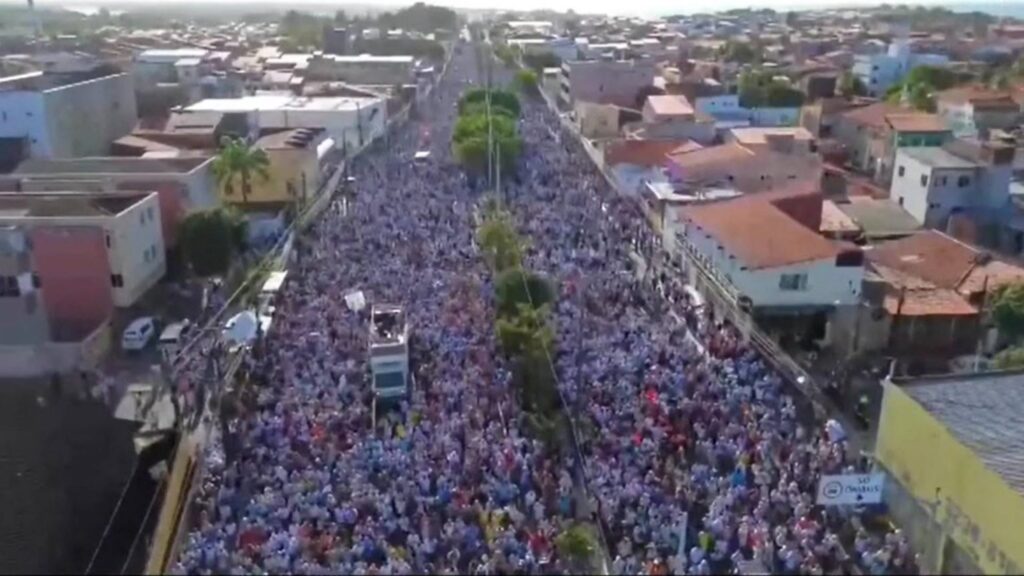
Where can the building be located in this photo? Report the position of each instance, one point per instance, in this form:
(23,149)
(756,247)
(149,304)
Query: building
(337,40)
(294,170)
(879,219)
(879,72)
(350,122)
(766,249)
(971,181)
(933,290)
(362,69)
(872,134)
(793,140)
(736,166)
(181,184)
(667,108)
(634,163)
(127,228)
(959,510)
(183,75)
(166,65)
(606,81)
(974,111)
(57,116)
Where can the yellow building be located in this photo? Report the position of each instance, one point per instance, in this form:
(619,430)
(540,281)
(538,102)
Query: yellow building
(953,447)
(294,168)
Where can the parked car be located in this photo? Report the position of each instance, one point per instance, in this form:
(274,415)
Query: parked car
(138,334)
(173,336)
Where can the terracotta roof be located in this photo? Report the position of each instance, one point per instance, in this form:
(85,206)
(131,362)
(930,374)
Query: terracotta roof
(873,115)
(946,262)
(916,123)
(758,135)
(642,152)
(979,96)
(934,302)
(725,153)
(670,105)
(759,234)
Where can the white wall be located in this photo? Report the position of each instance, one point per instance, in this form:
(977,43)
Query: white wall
(85,118)
(630,177)
(826,284)
(723,103)
(931,203)
(136,250)
(22,115)
(774,116)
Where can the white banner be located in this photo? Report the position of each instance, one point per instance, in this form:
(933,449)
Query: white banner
(851,489)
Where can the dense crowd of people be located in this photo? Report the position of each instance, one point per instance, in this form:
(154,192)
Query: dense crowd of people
(695,458)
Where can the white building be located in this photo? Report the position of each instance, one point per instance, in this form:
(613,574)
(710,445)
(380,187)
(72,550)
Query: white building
(767,258)
(933,184)
(879,72)
(362,69)
(349,121)
(53,118)
(158,66)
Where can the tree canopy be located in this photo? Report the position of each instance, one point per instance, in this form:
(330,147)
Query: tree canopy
(515,287)
(1010,359)
(527,81)
(1008,311)
(850,84)
(237,165)
(210,239)
(762,89)
(502,98)
(739,52)
(539,61)
(420,17)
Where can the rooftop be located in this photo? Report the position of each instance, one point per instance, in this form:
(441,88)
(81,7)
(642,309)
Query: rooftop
(57,205)
(108,165)
(751,136)
(670,105)
(740,225)
(278,102)
(368,58)
(916,123)
(984,412)
(879,218)
(299,138)
(644,152)
(835,221)
(170,55)
(979,97)
(873,115)
(937,157)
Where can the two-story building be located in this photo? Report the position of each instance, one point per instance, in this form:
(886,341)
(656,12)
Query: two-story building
(605,81)
(63,116)
(293,172)
(879,72)
(734,165)
(974,111)
(362,69)
(872,134)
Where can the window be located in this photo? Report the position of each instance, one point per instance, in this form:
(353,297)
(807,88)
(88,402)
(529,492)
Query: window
(142,217)
(943,181)
(149,213)
(9,287)
(924,180)
(36,282)
(901,200)
(793,282)
(963,181)
(117,281)
(901,171)
(108,240)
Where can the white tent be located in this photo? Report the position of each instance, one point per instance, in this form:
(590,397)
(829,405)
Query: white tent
(355,301)
(241,328)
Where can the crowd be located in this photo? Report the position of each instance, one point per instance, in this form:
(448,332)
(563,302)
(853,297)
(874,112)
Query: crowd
(302,480)
(695,457)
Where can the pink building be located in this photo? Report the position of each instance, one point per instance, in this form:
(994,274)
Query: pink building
(71,264)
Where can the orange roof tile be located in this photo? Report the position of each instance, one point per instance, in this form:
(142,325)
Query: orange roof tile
(873,115)
(725,153)
(979,96)
(758,233)
(642,152)
(935,302)
(916,123)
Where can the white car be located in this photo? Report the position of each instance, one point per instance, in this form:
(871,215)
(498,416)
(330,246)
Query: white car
(138,334)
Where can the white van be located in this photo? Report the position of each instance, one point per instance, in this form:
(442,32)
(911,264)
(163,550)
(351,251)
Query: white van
(172,338)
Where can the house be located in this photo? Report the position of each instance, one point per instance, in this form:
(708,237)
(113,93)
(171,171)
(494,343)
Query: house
(974,111)
(960,183)
(633,163)
(879,72)
(670,117)
(934,289)
(667,108)
(63,116)
(606,81)
(81,241)
(821,116)
(871,135)
(795,140)
(734,165)
(951,451)
(63,326)
(350,122)
(294,169)
(362,69)
(181,184)
(879,219)
(771,261)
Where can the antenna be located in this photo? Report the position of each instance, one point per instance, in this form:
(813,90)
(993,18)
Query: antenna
(35,20)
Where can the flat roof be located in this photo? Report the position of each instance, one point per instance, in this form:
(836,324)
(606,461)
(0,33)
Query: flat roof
(171,54)
(879,218)
(983,412)
(279,102)
(62,205)
(109,165)
(937,157)
(369,58)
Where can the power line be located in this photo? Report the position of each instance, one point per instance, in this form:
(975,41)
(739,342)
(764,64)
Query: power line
(142,525)
(110,522)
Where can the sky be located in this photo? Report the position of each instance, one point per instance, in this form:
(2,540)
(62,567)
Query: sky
(649,8)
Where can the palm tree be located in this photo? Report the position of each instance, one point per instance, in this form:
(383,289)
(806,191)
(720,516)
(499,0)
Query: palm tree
(236,160)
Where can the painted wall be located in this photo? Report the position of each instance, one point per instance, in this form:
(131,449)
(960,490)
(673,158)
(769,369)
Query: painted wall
(22,115)
(73,269)
(22,318)
(293,166)
(136,249)
(963,500)
(601,81)
(826,282)
(931,202)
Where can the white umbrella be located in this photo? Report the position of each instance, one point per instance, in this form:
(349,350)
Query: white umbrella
(241,328)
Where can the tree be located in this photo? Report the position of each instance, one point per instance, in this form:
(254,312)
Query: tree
(525,331)
(851,85)
(577,544)
(779,94)
(739,52)
(541,60)
(500,244)
(210,239)
(480,109)
(515,287)
(1008,310)
(527,81)
(498,97)
(1010,359)
(792,18)
(237,161)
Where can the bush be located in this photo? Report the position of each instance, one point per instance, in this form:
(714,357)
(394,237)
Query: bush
(527,81)
(516,287)
(210,239)
(502,98)
(1010,359)
(1008,311)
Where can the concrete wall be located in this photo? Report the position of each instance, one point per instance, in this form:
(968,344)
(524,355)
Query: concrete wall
(22,318)
(84,119)
(602,81)
(286,166)
(952,498)
(931,203)
(72,266)
(136,250)
(39,360)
